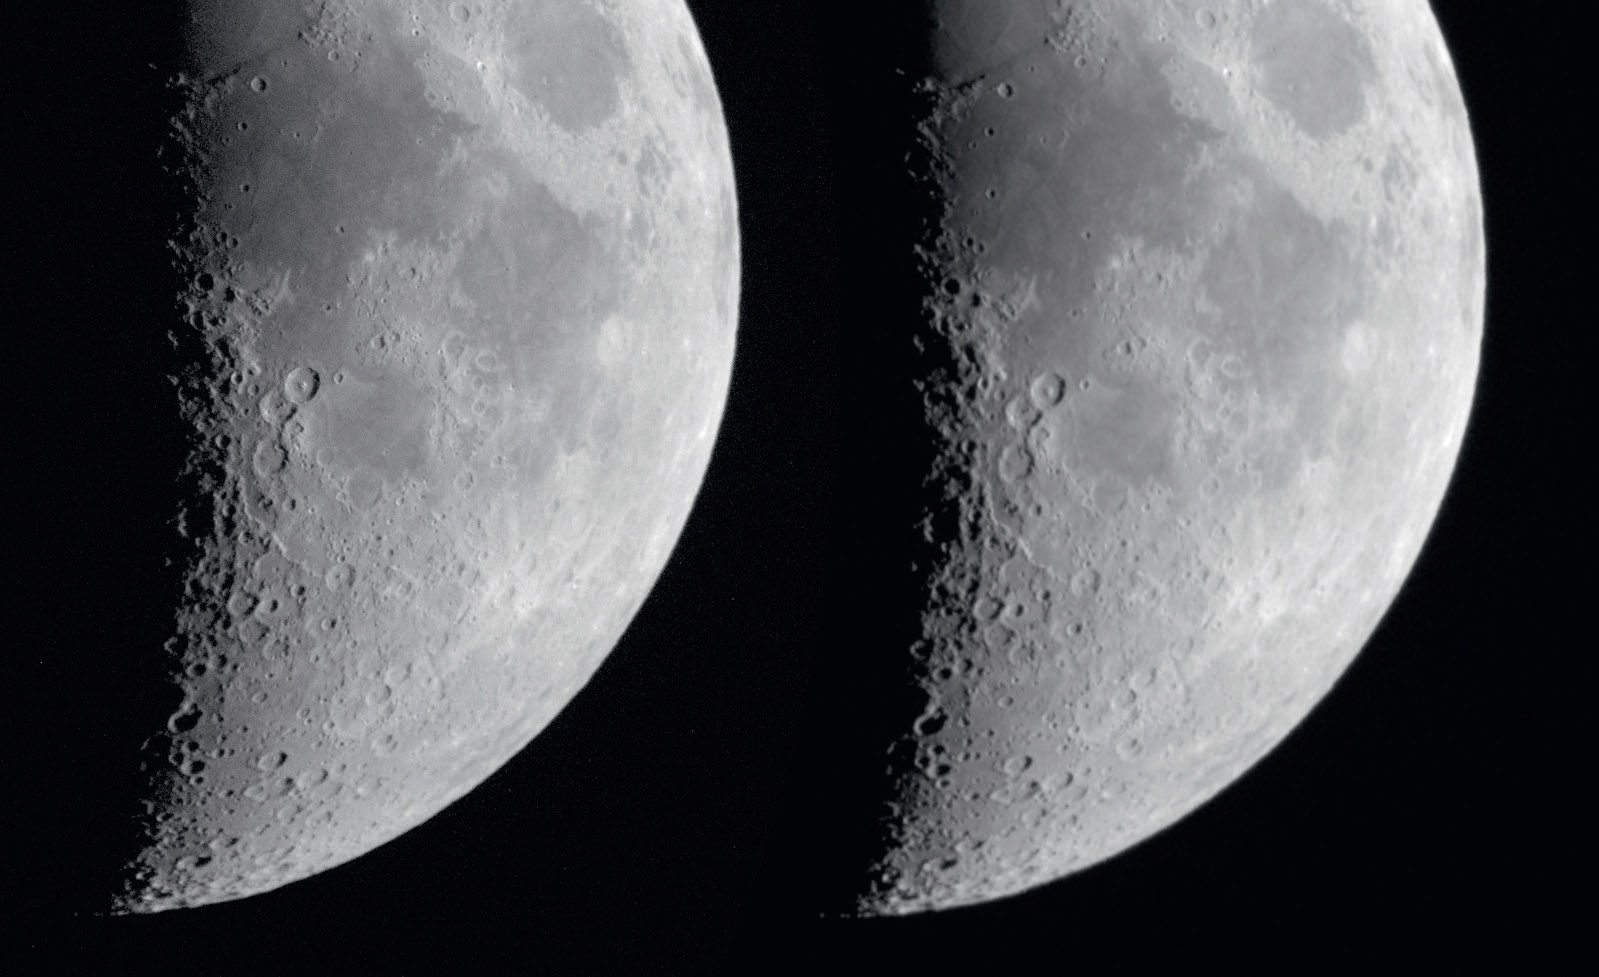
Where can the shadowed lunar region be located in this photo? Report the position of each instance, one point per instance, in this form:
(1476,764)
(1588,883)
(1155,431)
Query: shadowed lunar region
(1163,330)
(1194,294)
(450,305)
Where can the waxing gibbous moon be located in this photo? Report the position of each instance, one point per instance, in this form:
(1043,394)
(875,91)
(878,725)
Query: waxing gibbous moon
(455,295)
(1201,292)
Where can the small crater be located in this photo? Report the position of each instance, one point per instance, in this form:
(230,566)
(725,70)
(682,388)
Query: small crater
(270,607)
(270,458)
(259,84)
(302,384)
(929,724)
(1021,413)
(1015,463)
(1047,390)
(1009,794)
(272,761)
(1085,581)
(998,637)
(1017,765)
(340,577)
(275,409)
(186,718)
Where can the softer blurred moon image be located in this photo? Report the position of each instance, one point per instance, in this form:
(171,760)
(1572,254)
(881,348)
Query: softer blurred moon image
(1197,298)
(456,290)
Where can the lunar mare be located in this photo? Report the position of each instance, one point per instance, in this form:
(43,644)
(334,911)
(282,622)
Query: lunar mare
(1200,315)
(460,283)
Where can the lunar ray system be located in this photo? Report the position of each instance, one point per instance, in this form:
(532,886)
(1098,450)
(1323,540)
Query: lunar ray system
(457,286)
(1194,303)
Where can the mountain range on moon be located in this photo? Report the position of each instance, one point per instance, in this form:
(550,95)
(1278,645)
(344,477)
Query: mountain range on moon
(295,400)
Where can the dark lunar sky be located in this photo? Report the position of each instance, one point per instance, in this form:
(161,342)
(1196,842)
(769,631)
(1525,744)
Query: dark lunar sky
(1426,804)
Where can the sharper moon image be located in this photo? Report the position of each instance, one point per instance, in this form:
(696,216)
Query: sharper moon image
(453,291)
(1073,555)
(1194,300)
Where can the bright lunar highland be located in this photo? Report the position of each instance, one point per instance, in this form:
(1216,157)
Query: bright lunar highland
(1201,305)
(456,289)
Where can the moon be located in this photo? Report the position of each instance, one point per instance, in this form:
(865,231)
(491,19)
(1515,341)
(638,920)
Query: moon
(453,294)
(1198,307)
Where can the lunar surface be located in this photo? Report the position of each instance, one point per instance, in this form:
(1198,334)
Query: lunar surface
(456,296)
(1200,291)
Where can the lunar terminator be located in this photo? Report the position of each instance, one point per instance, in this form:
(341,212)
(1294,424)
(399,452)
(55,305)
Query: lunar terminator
(455,295)
(1195,311)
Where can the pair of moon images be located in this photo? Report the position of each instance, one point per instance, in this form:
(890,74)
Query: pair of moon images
(1185,301)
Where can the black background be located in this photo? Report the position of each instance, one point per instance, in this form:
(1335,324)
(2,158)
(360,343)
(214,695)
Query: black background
(1429,804)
